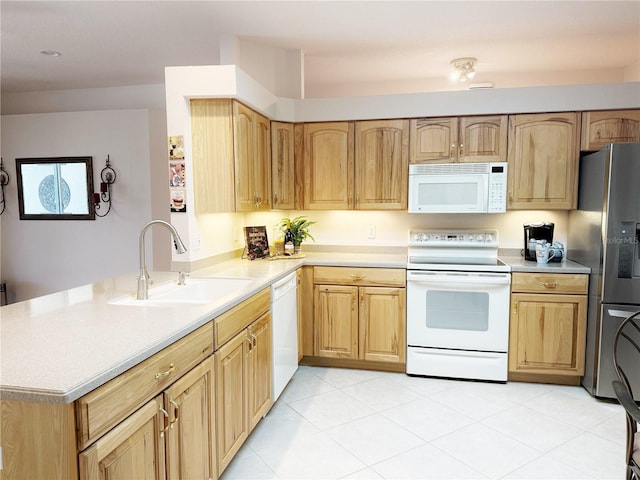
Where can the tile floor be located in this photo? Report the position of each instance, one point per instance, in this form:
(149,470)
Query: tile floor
(335,423)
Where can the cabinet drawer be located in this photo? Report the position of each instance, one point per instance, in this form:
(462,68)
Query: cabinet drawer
(240,316)
(549,283)
(100,410)
(391,277)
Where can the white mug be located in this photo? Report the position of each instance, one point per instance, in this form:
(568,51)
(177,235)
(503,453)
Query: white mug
(543,254)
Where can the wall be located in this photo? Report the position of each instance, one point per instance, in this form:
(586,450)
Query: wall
(391,227)
(43,256)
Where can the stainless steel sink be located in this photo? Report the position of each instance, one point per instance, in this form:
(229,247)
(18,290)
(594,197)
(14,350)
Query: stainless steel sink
(197,290)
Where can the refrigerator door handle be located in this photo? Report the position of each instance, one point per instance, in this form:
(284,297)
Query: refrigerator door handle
(619,313)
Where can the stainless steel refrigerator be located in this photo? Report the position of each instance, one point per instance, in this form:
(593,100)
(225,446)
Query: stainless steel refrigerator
(604,234)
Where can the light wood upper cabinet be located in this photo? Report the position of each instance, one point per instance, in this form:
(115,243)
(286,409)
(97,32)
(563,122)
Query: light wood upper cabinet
(433,140)
(548,327)
(361,165)
(459,139)
(382,164)
(252,153)
(283,166)
(612,126)
(212,155)
(328,161)
(543,161)
(483,139)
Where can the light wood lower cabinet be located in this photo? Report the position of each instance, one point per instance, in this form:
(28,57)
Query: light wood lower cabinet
(231,398)
(357,317)
(134,449)
(243,379)
(548,327)
(169,437)
(182,413)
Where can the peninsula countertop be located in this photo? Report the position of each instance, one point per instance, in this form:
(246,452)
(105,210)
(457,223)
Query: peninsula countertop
(60,346)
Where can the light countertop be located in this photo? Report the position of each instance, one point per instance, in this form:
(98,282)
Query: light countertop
(58,347)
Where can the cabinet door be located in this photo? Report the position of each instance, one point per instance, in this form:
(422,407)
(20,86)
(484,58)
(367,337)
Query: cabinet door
(336,321)
(252,150)
(382,164)
(547,334)
(231,398)
(483,139)
(614,126)
(382,324)
(543,161)
(328,166)
(190,451)
(262,162)
(283,169)
(433,140)
(212,155)
(259,369)
(133,449)
(244,154)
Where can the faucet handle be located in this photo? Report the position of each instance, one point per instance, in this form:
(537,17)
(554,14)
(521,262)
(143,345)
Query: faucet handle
(181,277)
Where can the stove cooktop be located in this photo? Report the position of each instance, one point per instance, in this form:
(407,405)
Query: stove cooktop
(468,264)
(472,250)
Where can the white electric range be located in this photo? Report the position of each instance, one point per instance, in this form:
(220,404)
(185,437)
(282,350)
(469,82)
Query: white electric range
(457,305)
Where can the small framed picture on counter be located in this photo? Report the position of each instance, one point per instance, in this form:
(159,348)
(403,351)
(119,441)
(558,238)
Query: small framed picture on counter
(257,242)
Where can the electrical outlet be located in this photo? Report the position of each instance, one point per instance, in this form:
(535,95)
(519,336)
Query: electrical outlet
(195,242)
(372,232)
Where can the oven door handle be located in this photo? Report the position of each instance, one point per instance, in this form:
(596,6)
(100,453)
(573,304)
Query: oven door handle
(483,279)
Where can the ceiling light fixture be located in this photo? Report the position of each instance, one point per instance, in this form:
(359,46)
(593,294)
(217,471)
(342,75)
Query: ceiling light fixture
(51,53)
(463,69)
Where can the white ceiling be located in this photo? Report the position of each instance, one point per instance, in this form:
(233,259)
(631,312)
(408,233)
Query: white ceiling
(385,46)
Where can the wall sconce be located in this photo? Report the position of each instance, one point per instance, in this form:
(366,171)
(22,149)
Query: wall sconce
(463,69)
(4,181)
(108,177)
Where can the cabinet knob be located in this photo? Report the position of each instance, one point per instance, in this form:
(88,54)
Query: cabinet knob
(461,151)
(166,373)
(165,416)
(358,277)
(549,284)
(452,151)
(176,413)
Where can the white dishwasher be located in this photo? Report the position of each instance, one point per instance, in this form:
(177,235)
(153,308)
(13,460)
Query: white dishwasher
(284,331)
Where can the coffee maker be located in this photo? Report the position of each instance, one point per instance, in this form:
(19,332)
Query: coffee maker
(536,231)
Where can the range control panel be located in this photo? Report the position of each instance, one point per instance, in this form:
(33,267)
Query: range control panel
(453,238)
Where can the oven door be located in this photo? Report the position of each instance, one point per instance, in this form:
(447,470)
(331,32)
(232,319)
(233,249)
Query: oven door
(458,310)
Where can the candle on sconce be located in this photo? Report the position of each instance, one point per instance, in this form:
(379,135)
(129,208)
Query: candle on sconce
(103,187)
(96,198)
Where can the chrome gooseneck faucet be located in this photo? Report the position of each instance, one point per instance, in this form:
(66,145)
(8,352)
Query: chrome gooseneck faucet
(143,275)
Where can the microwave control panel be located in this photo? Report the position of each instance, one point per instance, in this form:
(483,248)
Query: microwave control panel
(497,191)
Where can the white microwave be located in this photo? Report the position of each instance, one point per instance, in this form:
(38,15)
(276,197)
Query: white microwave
(458,188)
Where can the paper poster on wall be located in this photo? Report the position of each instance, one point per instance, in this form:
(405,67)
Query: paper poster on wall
(178,200)
(176,147)
(177,181)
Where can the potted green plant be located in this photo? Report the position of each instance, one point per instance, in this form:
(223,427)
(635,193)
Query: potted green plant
(299,227)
